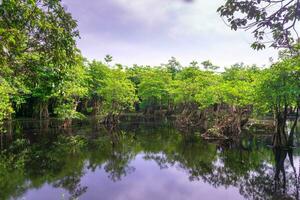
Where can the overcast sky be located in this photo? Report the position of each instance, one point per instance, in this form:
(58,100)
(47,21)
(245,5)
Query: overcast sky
(151,31)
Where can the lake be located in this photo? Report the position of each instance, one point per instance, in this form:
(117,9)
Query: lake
(147,160)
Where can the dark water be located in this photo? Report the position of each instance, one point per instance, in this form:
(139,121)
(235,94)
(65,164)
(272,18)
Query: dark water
(141,161)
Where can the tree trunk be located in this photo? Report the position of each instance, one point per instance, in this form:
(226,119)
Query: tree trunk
(291,135)
(43,110)
(96,107)
(67,123)
(280,156)
(233,125)
(44,125)
(279,137)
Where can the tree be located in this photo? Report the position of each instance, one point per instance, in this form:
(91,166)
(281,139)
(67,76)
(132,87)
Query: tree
(194,64)
(209,66)
(108,58)
(37,46)
(277,18)
(97,73)
(70,92)
(153,89)
(186,85)
(278,92)
(6,108)
(118,94)
(173,66)
(232,97)
(189,82)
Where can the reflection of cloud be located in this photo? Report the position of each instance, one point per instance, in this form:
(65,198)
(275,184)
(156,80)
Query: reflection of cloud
(149,182)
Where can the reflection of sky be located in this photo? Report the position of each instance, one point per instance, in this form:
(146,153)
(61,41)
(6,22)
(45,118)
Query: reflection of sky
(46,192)
(151,31)
(148,181)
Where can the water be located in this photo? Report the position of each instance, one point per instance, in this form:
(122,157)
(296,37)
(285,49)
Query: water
(140,161)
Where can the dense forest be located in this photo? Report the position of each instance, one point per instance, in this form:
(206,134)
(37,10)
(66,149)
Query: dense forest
(43,74)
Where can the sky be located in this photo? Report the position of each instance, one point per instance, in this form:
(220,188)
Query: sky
(150,32)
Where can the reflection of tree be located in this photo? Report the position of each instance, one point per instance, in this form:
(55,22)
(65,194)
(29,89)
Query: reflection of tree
(258,172)
(245,164)
(190,154)
(281,186)
(117,166)
(248,169)
(280,156)
(72,184)
(48,161)
(255,178)
(115,154)
(117,163)
(267,182)
(161,160)
(60,168)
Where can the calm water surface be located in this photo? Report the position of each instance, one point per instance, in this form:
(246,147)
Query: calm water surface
(141,161)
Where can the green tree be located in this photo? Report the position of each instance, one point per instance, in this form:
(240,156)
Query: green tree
(6,108)
(37,47)
(97,73)
(153,89)
(209,66)
(118,94)
(108,58)
(188,83)
(173,66)
(232,96)
(70,92)
(278,92)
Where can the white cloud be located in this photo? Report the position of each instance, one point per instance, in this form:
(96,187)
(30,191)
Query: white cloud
(178,17)
(151,31)
(151,12)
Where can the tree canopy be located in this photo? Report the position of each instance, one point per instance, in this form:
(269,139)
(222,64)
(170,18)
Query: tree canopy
(43,74)
(276,18)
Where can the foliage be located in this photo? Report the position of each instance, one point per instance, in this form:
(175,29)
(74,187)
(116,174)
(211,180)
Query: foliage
(108,58)
(209,66)
(37,47)
(188,83)
(153,88)
(118,92)
(5,105)
(71,90)
(173,66)
(278,86)
(43,73)
(277,18)
(97,72)
(234,87)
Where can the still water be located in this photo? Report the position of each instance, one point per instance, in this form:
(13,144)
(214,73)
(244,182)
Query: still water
(141,161)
